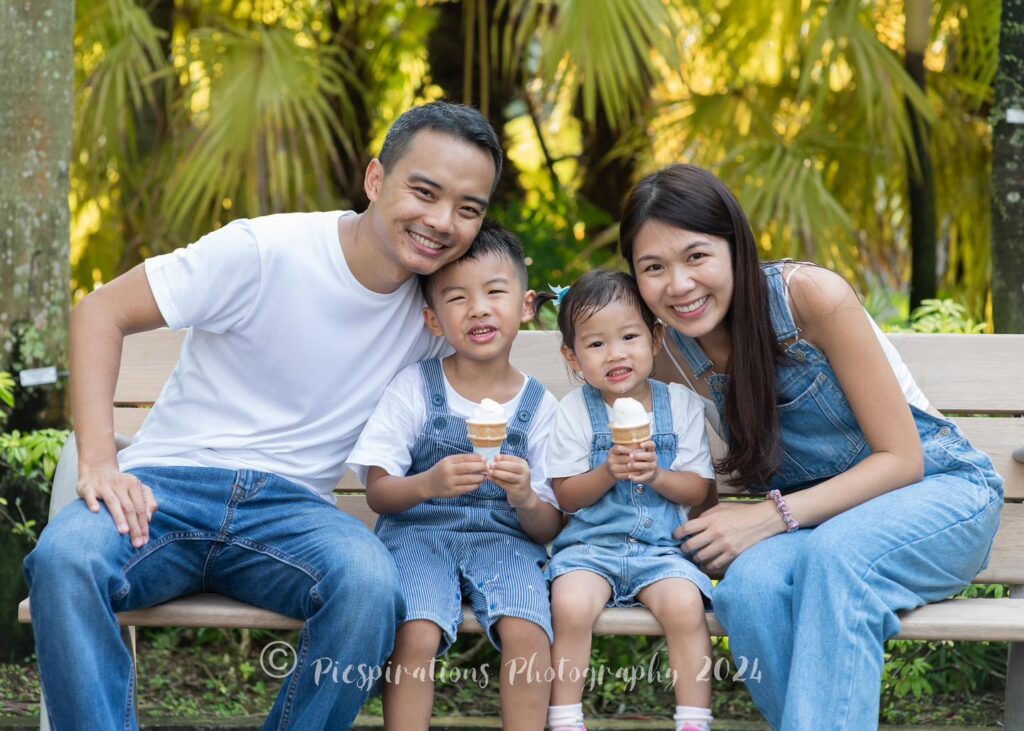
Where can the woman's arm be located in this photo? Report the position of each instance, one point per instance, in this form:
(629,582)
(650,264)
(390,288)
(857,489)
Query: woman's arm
(832,318)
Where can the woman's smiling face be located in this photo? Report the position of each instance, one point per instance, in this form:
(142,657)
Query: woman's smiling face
(686,278)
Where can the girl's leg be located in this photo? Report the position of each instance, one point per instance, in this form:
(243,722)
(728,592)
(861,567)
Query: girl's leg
(409,692)
(577,599)
(678,606)
(525,673)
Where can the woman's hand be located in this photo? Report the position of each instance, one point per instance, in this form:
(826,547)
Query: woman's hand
(723,532)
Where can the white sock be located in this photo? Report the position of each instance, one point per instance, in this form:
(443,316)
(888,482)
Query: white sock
(694,716)
(565,716)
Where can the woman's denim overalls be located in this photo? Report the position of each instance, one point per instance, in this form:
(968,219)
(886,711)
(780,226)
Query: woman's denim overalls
(813,607)
(472,544)
(626,536)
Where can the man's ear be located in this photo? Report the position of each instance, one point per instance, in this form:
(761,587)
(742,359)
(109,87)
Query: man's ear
(373,179)
(529,306)
(433,324)
(658,336)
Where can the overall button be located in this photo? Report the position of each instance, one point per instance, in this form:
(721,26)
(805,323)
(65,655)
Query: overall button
(648,523)
(437,399)
(439,422)
(640,488)
(800,357)
(524,416)
(514,438)
(945,431)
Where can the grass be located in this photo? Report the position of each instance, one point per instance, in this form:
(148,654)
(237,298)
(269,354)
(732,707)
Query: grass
(187,673)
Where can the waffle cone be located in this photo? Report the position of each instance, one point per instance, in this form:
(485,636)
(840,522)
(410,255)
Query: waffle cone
(484,436)
(630,435)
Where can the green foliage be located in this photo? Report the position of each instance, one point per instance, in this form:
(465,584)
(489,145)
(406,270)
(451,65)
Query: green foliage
(933,316)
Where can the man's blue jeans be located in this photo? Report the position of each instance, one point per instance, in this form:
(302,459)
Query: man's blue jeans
(248,535)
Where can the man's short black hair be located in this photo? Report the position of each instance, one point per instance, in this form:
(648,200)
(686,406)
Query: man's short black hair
(493,240)
(457,120)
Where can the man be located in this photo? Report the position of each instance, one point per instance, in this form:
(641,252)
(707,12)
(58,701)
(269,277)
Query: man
(297,323)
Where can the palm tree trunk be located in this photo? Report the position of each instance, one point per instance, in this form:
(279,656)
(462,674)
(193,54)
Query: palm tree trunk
(1008,175)
(37,86)
(921,179)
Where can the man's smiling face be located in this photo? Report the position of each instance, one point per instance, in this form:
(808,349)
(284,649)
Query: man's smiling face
(429,206)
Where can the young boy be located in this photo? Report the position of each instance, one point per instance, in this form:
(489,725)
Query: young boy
(456,524)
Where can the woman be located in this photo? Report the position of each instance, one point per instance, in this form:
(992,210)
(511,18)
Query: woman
(875,505)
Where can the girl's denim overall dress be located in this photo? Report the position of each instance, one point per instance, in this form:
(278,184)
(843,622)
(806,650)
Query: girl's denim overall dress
(470,545)
(626,536)
(813,607)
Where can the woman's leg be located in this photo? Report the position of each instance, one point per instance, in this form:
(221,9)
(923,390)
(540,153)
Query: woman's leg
(525,673)
(914,545)
(409,692)
(678,606)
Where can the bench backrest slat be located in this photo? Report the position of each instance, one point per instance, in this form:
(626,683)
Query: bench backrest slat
(977,376)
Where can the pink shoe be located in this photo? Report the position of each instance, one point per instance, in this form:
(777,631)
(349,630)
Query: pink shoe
(692,727)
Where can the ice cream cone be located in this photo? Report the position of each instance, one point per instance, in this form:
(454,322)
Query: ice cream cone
(630,435)
(486,436)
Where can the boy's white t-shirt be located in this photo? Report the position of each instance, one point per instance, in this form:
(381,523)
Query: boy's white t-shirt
(569,446)
(287,354)
(396,423)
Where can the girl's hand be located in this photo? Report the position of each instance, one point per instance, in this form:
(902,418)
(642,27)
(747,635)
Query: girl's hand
(512,474)
(720,534)
(456,475)
(643,463)
(618,462)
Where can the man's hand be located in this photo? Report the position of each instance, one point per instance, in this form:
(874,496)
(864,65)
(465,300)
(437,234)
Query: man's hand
(512,474)
(456,475)
(130,503)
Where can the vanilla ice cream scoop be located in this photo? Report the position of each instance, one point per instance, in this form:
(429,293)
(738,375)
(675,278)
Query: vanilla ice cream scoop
(628,412)
(630,423)
(488,412)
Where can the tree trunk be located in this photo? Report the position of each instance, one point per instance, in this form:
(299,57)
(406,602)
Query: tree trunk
(1008,175)
(920,179)
(37,88)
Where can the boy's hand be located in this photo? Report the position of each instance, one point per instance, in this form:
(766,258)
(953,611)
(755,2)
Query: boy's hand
(643,463)
(512,474)
(618,462)
(456,475)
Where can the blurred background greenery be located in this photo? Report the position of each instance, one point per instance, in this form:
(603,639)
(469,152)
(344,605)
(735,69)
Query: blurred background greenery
(190,113)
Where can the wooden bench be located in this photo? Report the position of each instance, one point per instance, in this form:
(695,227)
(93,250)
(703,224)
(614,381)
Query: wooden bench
(978,379)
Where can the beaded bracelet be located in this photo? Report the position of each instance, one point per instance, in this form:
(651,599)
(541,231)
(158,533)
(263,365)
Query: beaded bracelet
(783,507)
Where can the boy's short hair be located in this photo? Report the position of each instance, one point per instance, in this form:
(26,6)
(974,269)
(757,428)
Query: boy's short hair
(456,120)
(493,240)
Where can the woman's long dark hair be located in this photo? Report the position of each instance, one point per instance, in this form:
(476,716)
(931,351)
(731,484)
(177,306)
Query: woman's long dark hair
(693,199)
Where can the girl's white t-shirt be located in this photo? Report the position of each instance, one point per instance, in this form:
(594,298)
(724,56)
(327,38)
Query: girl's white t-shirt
(396,423)
(569,446)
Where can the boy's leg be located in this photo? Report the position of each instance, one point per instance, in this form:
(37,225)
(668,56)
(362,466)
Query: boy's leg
(83,571)
(288,550)
(409,691)
(525,673)
(678,606)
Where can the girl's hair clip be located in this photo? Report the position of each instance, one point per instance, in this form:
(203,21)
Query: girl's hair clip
(559,293)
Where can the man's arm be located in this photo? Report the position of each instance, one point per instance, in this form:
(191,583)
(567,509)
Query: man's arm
(98,326)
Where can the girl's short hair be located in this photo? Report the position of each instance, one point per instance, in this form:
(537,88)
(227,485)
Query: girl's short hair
(591,293)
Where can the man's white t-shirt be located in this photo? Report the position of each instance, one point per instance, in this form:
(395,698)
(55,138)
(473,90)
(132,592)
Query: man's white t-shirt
(286,356)
(392,431)
(569,446)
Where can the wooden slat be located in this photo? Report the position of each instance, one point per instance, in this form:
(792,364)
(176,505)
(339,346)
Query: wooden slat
(996,620)
(147,360)
(127,420)
(967,373)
